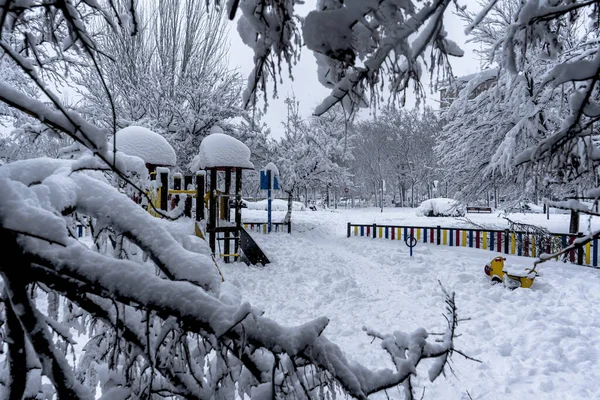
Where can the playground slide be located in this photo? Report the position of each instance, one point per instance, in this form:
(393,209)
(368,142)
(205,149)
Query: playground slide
(253,253)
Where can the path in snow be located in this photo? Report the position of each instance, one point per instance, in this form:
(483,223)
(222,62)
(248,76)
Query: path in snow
(534,343)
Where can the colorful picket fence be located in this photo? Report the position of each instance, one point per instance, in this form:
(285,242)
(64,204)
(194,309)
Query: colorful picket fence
(262,227)
(508,242)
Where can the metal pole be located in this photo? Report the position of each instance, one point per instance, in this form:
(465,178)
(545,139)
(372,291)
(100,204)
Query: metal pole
(269,201)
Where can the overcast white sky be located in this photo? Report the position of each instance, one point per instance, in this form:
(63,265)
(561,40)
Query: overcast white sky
(307,88)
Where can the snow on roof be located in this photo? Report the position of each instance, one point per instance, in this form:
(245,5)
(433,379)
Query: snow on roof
(221,150)
(147,145)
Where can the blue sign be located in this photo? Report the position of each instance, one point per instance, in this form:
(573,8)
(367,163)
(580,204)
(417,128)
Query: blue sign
(264,181)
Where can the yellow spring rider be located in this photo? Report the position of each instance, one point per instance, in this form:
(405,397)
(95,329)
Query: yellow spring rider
(511,277)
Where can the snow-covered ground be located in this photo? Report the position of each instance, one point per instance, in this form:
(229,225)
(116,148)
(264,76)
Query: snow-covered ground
(538,343)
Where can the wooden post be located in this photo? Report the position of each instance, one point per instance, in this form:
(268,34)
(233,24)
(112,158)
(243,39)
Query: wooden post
(199,195)
(439,235)
(238,210)
(579,250)
(349,229)
(574,222)
(226,213)
(289,226)
(212,211)
(506,240)
(176,186)
(187,182)
(374,231)
(164,190)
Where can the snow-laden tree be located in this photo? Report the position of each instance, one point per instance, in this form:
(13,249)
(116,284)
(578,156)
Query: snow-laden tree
(545,106)
(168,73)
(255,134)
(371,155)
(486,129)
(360,46)
(395,150)
(160,322)
(312,152)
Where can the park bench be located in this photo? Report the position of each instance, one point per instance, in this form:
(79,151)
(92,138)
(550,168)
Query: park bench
(478,209)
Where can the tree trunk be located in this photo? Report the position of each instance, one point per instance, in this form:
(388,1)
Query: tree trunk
(381,197)
(495,197)
(335,199)
(288,214)
(403,196)
(306,196)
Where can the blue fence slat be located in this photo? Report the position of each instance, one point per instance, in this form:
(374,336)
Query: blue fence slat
(491,240)
(405,233)
(424,235)
(386,232)
(362,231)
(595,252)
(451,237)
(470,238)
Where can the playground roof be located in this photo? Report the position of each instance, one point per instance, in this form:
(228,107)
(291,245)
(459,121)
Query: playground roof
(147,145)
(219,150)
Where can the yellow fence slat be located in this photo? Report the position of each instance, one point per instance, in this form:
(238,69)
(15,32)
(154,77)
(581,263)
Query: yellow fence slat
(513,244)
(588,248)
(464,238)
(445,236)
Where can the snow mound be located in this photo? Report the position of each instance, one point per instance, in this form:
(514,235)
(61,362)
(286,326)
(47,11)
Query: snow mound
(441,207)
(147,145)
(221,150)
(276,205)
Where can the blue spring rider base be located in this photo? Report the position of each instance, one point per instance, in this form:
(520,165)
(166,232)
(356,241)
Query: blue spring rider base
(411,242)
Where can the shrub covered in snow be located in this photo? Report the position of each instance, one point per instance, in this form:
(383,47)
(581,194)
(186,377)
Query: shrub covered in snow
(276,205)
(441,207)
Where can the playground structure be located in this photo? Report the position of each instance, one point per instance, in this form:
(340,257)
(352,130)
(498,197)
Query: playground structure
(219,164)
(511,242)
(211,210)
